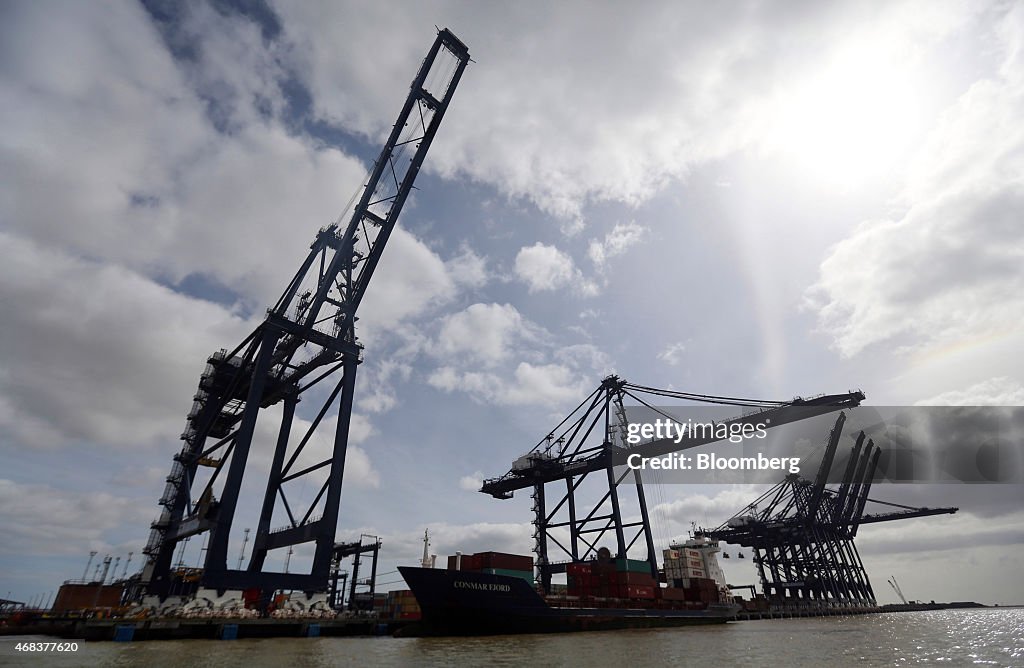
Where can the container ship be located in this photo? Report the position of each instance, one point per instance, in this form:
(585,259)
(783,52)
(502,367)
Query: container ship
(492,593)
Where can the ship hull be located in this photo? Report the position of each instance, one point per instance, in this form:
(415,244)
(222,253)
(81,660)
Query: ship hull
(461,603)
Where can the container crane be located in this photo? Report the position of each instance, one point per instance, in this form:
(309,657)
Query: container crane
(802,532)
(306,342)
(592,440)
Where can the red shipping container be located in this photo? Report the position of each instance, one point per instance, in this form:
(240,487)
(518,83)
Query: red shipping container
(636,579)
(578,569)
(673,594)
(470,562)
(511,562)
(637,591)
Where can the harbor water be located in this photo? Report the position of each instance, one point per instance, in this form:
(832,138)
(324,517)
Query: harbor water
(983,637)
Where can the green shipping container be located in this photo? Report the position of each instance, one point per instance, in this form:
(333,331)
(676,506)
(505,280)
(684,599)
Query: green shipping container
(632,566)
(526,575)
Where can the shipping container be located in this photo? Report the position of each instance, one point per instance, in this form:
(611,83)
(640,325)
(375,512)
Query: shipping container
(512,562)
(526,575)
(632,565)
(673,594)
(637,591)
(578,568)
(636,579)
(86,596)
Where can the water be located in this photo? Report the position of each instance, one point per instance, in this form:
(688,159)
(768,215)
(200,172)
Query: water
(990,637)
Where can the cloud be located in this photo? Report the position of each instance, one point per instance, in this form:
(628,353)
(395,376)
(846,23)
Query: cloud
(701,508)
(537,385)
(544,268)
(485,334)
(999,391)
(446,539)
(468,269)
(40,519)
(707,83)
(376,383)
(479,345)
(98,353)
(616,242)
(472,482)
(673,353)
(948,270)
(410,280)
(170,168)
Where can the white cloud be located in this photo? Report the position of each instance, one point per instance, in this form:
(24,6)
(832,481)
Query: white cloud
(376,383)
(948,270)
(585,356)
(707,83)
(514,538)
(536,385)
(410,280)
(701,508)
(545,268)
(174,168)
(673,353)
(1000,391)
(616,242)
(468,269)
(472,482)
(98,352)
(359,469)
(485,333)
(41,519)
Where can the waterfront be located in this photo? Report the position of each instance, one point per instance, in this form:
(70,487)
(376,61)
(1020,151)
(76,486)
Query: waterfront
(992,637)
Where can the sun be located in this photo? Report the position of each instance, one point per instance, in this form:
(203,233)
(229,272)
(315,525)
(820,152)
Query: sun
(854,119)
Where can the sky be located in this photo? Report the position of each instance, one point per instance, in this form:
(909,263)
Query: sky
(745,199)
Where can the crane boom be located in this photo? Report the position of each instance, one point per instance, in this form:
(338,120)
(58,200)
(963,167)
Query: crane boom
(572,460)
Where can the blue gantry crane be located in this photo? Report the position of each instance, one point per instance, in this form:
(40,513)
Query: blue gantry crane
(306,348)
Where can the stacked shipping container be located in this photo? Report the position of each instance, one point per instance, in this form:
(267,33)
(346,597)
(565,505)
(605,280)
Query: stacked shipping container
(494,563)
(684,563)
(403,605)
(623,578)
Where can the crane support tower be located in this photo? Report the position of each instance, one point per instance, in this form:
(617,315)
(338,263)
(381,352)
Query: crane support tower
(306,342)
(802,532)
(586,445)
